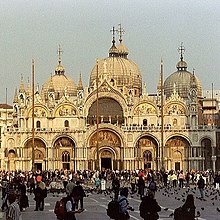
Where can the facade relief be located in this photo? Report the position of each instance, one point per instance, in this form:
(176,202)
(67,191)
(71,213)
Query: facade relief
(144,109)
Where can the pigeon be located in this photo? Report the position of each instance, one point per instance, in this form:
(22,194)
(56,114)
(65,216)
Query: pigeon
(166,209)
(202,208)
(218,209)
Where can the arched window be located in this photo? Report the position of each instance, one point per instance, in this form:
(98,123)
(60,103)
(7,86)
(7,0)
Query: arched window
(66,124)
(65,156)
(147,155)
(38,124)
(145,122)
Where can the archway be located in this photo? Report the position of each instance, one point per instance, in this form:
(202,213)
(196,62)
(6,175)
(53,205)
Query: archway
(64,154)
(146,153)
(39,154)
(110,142)
(207,153)
(176,152)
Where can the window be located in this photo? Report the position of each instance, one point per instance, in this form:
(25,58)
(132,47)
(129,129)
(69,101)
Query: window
(66,124)
(38,124)
(65,156)
(145,122)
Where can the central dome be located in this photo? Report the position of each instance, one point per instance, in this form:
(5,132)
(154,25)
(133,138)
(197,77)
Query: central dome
(119,69)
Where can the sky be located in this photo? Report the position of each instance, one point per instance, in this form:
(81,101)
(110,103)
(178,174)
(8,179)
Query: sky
(154,29)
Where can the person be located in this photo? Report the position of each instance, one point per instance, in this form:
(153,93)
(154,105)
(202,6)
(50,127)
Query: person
(115,187)
(141,186)
(23,199)
(149,207)
(189,207)
(82,194)
(201,186)
(72,199)
(124,205)
(181,179)
(69,187)
(13,212)
(39,196)
(152,186)
(133,182)
(187,211)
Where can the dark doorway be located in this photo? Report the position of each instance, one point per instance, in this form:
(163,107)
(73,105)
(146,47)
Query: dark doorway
(66,166)
(177,166)
(38,166)
(147,166)
(106,163)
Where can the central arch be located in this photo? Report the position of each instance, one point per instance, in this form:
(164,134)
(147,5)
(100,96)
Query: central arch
(108,145)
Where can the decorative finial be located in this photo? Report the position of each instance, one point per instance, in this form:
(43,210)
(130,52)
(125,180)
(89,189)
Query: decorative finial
(120,31)
(194,71)
(113,35)
(59,52)
(181,51)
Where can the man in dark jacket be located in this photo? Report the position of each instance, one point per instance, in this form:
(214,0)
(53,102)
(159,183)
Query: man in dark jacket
(115,187)
(149,207)
(201,186)
(81,192)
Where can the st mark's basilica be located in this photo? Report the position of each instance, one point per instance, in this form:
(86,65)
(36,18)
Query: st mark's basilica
(113,123)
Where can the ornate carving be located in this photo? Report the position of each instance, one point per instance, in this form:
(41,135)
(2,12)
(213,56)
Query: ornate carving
(66,110)
(144,109)
(174,109)
(105,138)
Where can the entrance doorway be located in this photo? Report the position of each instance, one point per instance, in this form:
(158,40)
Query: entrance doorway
(38,166)
(66,166)
(177,166)
(106,163)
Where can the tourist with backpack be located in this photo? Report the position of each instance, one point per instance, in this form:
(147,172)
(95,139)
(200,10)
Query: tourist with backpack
(152,186)
(149,207)
(118,209)
(71,205)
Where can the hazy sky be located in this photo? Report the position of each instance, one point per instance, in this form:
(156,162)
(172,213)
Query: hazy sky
(153,29)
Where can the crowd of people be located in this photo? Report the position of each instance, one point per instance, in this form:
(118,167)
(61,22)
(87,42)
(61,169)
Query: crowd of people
(15,186)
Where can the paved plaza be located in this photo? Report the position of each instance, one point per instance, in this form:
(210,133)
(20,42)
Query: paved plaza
(95,205)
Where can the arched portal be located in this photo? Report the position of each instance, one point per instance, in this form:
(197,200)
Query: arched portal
(64,154)
(106,159)
(146,153)
(176,153)
(110,142)
(39,154)
(207,153)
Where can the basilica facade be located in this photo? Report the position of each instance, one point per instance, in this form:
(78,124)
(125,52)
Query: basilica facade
(113,122)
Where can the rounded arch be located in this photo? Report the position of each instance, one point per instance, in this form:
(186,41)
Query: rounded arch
(144,108)
(66,110)
(147,150)
(177,108)
(59,137)
(114,96)
(176,152)
(40,111)
(110,111)
(178,135)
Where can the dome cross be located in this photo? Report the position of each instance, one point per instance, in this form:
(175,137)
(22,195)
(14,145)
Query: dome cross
(59,52)
(113,35)
(120,31)
(181,51)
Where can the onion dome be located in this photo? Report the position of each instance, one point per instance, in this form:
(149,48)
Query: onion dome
(59,83)
(183,80)
(119,70)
